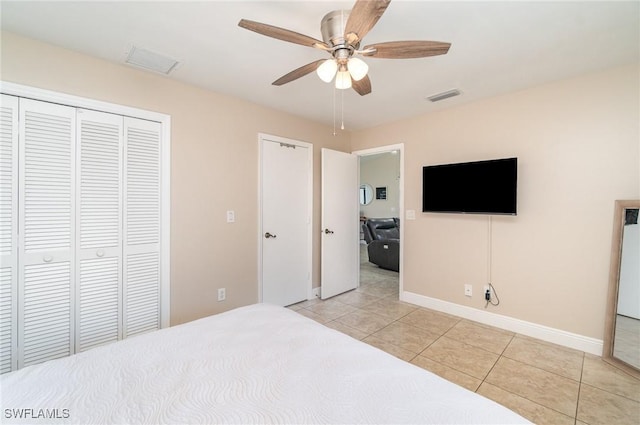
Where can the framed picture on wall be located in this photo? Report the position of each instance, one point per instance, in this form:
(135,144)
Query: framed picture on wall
(381,193)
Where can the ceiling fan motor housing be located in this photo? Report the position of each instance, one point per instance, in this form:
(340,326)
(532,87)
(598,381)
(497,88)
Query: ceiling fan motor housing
(332,27)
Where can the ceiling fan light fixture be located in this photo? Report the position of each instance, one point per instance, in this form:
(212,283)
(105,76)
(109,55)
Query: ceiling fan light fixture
(357,68)
(327,70)
(343,80)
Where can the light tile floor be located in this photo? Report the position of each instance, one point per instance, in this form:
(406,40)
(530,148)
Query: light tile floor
(545,383)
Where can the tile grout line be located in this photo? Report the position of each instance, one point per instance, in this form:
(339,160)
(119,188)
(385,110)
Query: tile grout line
(494,365)
(575,416)
(518,395)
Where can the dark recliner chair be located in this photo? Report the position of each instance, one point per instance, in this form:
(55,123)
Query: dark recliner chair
(383,242)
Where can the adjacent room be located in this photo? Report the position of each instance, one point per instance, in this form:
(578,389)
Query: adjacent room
(320,212)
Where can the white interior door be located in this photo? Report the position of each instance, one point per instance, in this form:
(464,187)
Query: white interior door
(142,222)
(8,233)
(99,229)
(340,220)
(286,201)
(47,233)
(83,225)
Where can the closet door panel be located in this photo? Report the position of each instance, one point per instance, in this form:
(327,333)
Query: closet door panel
(47,314)
(8,232)
(99,232)
(47,231)
(142,226)
(99,303)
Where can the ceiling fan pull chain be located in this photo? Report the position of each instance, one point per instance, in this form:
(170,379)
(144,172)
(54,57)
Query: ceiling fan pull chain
(334,111)
(342,95)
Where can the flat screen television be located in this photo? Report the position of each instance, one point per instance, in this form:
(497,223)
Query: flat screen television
(481,187)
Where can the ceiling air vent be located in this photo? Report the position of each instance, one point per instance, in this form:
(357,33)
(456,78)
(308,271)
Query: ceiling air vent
(444,95)
(151,61)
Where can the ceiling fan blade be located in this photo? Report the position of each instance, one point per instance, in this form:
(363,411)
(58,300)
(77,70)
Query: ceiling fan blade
(280,33)
(363,86)
(297,73)
(362,18)
(407,49)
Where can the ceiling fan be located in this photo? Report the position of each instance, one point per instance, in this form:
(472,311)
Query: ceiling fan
(342,32)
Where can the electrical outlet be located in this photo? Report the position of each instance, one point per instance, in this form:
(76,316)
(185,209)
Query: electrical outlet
(222,294)
(468,291)
(486,289)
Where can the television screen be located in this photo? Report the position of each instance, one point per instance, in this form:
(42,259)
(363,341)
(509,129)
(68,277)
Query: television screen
(482,187)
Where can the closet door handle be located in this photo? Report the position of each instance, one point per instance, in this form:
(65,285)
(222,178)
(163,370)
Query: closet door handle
(47,258)
(269,235)
(100,253)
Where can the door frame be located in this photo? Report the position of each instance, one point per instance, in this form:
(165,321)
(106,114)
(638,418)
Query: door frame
(262,137)
(384,149)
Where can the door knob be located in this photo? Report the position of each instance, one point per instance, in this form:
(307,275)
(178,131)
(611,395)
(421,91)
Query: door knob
(269,235)
(328,232)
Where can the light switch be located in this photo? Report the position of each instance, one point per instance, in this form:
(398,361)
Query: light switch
(410,214)
(231,216)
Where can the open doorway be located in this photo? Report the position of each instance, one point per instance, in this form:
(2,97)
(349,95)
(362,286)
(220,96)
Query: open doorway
(381,209)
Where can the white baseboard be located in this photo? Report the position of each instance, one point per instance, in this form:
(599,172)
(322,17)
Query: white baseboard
(545,333)
(315,293)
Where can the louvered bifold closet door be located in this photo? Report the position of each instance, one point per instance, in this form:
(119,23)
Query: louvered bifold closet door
(141,226)
(99,230)
(47,234)
(8,232)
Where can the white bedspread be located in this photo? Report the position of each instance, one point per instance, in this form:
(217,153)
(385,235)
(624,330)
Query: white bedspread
(256,364)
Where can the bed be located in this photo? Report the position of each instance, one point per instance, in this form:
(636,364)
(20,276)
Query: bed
(254,364)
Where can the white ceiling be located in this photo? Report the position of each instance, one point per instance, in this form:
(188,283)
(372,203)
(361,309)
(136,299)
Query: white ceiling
(496,47)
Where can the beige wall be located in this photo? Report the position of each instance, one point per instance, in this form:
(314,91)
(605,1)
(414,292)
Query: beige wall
(381,170)
(214,166)
(577,142)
